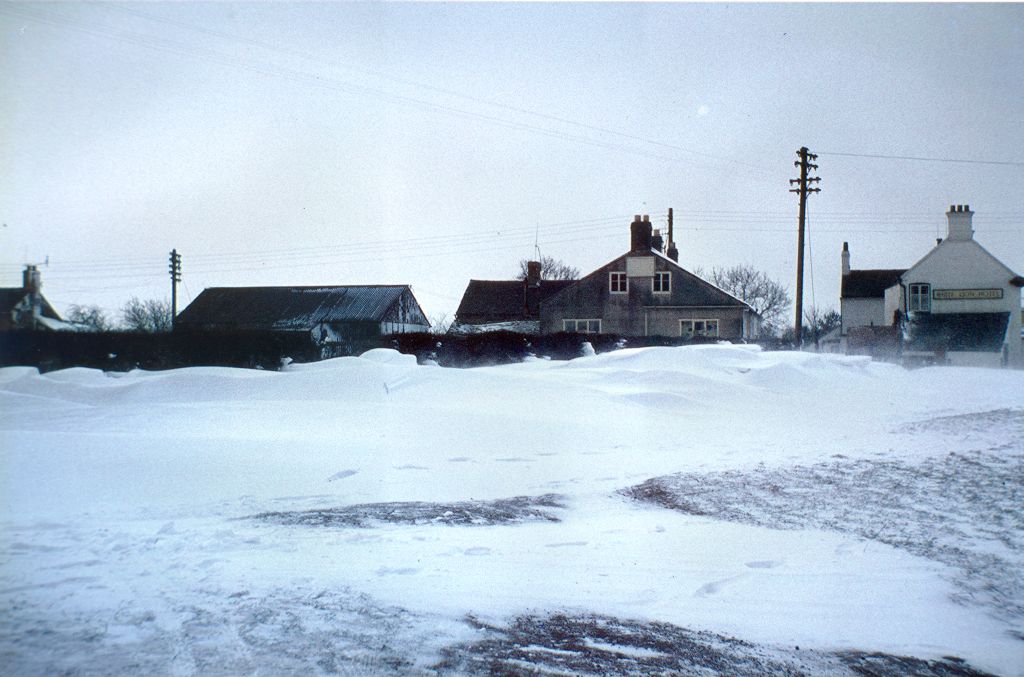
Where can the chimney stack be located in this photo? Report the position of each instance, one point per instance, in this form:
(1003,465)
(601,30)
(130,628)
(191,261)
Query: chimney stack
(31,280)
(657,243)
(533,273)
(640,233)
(846,259)
(959,220)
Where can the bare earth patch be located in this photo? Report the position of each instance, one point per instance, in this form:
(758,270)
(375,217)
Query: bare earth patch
(601,645)
(464,513)
(965,509)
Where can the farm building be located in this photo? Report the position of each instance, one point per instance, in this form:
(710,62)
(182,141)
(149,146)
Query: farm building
(333,316)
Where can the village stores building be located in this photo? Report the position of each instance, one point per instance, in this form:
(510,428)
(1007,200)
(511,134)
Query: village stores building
(647,293)
(339,318)
(957,305)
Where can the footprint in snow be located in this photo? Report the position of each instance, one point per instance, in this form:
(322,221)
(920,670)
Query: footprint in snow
(402,571)
(410,466)
(764,564)
(341,475)
(459,459)
(566,544)
(714,587)
(477,551)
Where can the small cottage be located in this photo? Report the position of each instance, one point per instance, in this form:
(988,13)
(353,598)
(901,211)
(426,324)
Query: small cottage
(25,307)
(508,305)
(645,292)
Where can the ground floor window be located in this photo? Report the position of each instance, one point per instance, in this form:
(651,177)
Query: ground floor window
(582,326)
(691,328)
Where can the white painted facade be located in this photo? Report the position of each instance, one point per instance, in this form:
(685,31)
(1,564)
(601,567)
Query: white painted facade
(863,313)
(957,276)
(963,277)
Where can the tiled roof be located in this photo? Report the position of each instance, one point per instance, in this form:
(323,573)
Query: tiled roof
(503,300)
(869,284)
(12,296)
(284,308)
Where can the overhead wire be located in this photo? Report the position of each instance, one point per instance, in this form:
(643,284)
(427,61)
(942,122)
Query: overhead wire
(426,86)
(1002,163)
(301,77)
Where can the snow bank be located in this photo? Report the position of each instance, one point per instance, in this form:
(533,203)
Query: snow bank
(131,498)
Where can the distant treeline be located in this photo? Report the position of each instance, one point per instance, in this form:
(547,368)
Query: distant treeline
(122,351)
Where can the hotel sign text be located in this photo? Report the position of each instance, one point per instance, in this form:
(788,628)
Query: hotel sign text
(966,294)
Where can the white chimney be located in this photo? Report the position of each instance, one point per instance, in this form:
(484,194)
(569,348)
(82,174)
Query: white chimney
(959,217)
(846,259)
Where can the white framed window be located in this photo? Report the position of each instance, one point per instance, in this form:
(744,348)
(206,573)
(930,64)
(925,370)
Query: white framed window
(920,298)
(582,326)
(618,283)
(698,328)
(661,283)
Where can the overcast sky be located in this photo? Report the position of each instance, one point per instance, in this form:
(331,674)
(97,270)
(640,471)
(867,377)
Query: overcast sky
(428,144)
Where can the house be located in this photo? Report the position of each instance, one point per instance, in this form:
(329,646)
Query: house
(510,305)
(957,305)
(647,293)
(334,317)
(25,307)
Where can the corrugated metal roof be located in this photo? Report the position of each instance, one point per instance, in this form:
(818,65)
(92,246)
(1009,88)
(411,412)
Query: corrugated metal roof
(289,308)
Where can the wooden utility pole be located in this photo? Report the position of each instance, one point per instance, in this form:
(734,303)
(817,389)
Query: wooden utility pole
(175,269)
(804,163)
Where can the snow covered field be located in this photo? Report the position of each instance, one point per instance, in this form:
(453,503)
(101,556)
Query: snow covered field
(708,508)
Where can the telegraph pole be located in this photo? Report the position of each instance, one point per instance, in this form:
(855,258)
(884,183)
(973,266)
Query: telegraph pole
(804,163)
(175,269)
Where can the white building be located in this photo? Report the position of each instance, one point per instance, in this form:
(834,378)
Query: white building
(957,305)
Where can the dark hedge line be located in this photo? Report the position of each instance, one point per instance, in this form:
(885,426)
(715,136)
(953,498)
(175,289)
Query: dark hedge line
(122,351)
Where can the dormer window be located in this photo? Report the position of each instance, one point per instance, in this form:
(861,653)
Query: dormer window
(618,283)
(920,298)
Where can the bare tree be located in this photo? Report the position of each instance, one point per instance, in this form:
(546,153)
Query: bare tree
(439,323)
(818,322)
(147,316)
(550,269)
(766,296)
(91,317)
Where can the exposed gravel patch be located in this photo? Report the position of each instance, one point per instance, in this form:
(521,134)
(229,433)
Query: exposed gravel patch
(601,645)
(218,633)
(464,513)
(965,509)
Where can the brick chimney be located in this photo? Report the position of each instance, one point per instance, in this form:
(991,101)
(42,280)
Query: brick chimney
(533,273)
(640,233)
(657,243)
(846,259)
(959,218)
(30,280)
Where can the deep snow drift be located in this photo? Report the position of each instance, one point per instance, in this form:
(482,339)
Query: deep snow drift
(370,515)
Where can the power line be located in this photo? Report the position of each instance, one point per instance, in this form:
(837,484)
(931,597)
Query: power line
(302,77)
(1007,163)
(434,88)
